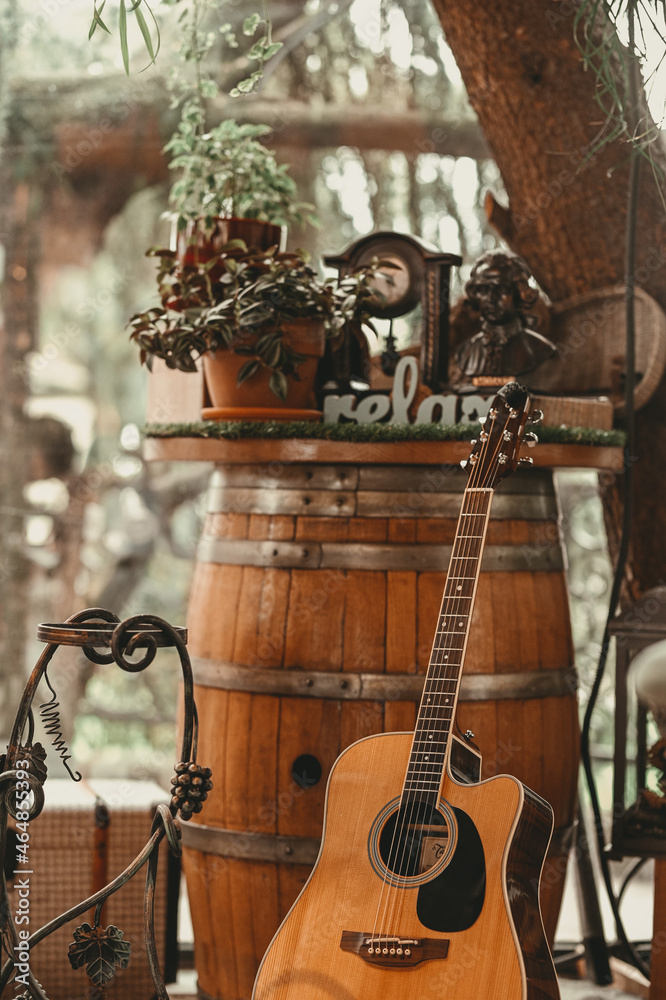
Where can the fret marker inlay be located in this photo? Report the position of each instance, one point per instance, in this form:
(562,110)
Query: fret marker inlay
(444,671)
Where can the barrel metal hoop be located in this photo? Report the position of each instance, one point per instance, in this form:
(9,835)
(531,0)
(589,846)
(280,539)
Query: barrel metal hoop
(244,845)
(377,687)
(372,503)
(400,557)
(248,845)
(418,479)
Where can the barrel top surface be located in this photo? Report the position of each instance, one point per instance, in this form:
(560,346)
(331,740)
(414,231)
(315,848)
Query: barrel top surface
(182,449)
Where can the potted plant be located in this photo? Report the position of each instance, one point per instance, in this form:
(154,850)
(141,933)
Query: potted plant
(230,185)
(259,319)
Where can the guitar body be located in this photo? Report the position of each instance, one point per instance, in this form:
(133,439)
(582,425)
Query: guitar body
(459,921)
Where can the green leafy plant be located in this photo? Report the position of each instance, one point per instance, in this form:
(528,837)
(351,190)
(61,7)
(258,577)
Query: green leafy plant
(241,300)
(149,28)
(261,50)
(227,171)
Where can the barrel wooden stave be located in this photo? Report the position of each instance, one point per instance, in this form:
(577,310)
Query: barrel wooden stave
(356,620)
(236,911)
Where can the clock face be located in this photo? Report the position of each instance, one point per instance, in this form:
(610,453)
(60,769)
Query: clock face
(399,278)
(391,280)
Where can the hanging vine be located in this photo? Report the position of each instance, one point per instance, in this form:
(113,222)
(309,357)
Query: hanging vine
(599,29)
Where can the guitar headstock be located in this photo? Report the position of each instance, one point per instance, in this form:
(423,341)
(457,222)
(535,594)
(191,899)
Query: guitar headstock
(495,454)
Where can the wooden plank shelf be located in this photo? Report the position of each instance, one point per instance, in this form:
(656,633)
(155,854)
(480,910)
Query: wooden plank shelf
(195,449)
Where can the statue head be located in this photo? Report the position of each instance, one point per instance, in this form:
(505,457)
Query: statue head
(499,287)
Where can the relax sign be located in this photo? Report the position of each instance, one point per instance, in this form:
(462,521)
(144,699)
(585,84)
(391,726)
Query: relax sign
(448,408)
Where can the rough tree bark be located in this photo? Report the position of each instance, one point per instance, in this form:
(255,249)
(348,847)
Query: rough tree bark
(567,207)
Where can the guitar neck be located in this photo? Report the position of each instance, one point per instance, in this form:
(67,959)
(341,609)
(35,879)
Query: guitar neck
(442,684)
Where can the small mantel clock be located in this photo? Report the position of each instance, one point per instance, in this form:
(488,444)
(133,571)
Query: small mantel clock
(416,273)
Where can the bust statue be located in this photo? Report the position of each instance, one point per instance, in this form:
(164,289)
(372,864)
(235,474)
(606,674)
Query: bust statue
(508,343)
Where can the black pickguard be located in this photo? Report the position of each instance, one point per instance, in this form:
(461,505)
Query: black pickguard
(454,900)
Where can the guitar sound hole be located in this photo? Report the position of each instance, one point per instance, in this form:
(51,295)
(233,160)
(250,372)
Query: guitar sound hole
(413,839)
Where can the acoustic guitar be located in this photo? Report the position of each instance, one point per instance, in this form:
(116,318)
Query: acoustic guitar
(427,881)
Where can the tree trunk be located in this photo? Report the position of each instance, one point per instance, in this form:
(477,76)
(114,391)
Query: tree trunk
(567,202)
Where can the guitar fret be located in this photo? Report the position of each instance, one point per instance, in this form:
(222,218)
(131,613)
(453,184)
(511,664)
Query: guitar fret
(436,711)
(430,775)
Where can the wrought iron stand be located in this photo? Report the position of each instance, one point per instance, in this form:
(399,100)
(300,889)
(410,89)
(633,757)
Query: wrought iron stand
(132,645)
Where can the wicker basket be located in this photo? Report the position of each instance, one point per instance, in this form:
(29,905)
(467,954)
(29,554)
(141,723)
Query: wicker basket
(67,842)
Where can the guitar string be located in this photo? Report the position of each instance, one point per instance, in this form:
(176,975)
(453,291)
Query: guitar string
(445,664)
(411,794)
(400,827)
(466,543)
(431,718)
(472,515)
(427,716)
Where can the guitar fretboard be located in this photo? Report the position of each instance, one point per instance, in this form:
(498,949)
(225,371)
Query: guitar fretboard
(440,691)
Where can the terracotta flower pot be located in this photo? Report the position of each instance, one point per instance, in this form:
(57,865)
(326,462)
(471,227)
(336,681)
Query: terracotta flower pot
(195,245)
(254,400)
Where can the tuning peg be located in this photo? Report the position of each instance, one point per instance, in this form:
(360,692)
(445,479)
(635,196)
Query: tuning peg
(535,417)
(530,439)
(525,461)
(463,464)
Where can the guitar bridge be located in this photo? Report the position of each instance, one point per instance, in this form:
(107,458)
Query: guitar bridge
(393,952)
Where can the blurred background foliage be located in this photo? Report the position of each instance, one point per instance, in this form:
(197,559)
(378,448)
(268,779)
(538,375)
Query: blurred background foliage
(107,529)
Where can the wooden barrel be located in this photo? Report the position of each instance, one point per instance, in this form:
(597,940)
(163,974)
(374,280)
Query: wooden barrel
(313,608)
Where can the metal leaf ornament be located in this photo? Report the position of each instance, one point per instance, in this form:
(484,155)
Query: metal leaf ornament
(101,950)
(35,754)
